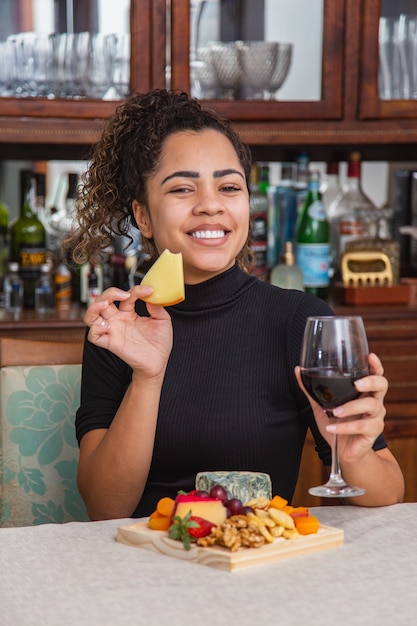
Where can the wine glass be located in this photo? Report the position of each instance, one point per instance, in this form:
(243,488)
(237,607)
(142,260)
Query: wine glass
(334,354)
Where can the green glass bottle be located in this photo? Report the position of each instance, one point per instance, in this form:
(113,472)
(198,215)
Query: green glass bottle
(27,239)
(4,246)
(312,238)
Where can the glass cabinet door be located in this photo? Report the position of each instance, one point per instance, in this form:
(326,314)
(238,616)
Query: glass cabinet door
(389,59)
(260,59)
(64,55)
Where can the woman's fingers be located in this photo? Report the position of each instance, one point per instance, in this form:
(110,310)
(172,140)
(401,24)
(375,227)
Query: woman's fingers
(104,307)
(137,293)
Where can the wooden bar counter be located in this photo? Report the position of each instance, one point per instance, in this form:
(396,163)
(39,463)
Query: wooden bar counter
(54,326)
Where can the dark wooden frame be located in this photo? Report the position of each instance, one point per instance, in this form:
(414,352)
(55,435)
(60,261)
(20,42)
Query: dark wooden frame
(329,107)
(371,107)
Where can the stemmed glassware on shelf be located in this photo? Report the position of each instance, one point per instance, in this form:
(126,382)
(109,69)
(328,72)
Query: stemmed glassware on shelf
(226,63)
(258,60)
(281,69)
(334,355)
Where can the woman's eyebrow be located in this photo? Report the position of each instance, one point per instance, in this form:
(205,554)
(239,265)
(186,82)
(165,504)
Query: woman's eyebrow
(181,174)
(220,173)
(191,174)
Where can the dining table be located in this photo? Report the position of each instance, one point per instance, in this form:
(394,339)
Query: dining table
(77,574)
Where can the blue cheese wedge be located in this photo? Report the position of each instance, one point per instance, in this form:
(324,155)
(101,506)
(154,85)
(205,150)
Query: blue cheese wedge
(242,485)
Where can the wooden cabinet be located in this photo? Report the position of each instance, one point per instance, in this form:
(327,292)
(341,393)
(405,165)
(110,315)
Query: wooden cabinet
(348,115)
(392,335)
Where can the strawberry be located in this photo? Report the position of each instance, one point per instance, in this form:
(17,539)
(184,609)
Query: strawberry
(202,530)
(189,528)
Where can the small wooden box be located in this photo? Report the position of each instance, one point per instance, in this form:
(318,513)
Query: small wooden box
(397,294)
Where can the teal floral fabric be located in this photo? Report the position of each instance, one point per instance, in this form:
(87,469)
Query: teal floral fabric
(38,449)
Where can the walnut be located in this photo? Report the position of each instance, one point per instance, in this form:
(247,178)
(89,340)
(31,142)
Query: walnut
(235,532)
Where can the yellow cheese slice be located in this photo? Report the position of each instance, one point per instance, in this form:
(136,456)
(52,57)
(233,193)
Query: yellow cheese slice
(166,277)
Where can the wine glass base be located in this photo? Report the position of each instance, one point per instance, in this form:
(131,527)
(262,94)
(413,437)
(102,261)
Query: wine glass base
(336,491)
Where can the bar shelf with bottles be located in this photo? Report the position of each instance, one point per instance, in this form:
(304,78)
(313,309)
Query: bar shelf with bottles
(32,251)
(358,229)
(278,193)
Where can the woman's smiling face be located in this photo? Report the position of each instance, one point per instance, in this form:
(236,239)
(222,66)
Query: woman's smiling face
(198,203)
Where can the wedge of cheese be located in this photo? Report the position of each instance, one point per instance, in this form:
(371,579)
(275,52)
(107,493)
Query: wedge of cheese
(166,277)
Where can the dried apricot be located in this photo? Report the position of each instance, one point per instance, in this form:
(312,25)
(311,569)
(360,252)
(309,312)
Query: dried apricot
(165,506)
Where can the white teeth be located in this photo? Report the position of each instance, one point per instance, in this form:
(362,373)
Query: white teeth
(208,234)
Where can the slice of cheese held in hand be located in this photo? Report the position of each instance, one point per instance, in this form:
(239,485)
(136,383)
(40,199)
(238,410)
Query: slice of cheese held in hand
(166,277)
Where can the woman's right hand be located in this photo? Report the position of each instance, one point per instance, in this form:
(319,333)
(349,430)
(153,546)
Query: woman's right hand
(144,343)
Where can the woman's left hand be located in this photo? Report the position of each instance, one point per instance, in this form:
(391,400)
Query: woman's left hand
(358,422)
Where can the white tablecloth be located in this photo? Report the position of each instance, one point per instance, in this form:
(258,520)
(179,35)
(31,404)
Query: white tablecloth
(77,574)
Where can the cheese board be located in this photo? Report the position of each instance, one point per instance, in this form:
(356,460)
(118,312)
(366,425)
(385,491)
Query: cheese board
(140,535)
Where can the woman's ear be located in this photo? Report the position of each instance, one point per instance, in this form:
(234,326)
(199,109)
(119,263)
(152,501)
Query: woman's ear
(141,216)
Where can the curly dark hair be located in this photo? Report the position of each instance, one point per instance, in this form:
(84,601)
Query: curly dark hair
(125,156)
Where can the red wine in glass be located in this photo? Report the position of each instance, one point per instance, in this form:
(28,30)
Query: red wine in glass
(331,388)
(334,354)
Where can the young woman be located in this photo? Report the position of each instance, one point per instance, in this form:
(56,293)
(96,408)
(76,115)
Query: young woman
(210,383)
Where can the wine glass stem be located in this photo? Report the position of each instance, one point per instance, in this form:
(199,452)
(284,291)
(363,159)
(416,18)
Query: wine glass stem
(335,472)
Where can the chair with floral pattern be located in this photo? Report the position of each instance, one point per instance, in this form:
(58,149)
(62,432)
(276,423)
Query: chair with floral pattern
(39,395)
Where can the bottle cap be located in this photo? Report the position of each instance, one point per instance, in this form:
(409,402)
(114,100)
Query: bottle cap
(287,256)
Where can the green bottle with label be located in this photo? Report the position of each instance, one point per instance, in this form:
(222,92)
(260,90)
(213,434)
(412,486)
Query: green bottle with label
(27,239)
(312,241)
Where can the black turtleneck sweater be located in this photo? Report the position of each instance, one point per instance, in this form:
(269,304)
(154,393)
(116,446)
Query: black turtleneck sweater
(230,400)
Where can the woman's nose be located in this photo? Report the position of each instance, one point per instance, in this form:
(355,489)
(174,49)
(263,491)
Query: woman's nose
(209,202)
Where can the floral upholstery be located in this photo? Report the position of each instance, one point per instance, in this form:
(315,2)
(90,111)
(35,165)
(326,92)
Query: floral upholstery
(38,449)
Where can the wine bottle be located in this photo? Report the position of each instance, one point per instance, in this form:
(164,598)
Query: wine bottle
(93,288)
(312,235)
(4,246)
(27,239)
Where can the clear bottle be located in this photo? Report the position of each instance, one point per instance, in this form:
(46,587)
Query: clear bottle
(27,239)
(312,236)
(40,195)
(61,221)
(13,289)
(44,291)
(259,225)
(85,270)
(330,187)
(352,215)
(287,274)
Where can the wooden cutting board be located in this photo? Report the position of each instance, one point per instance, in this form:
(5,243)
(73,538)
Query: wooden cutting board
(140,535)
